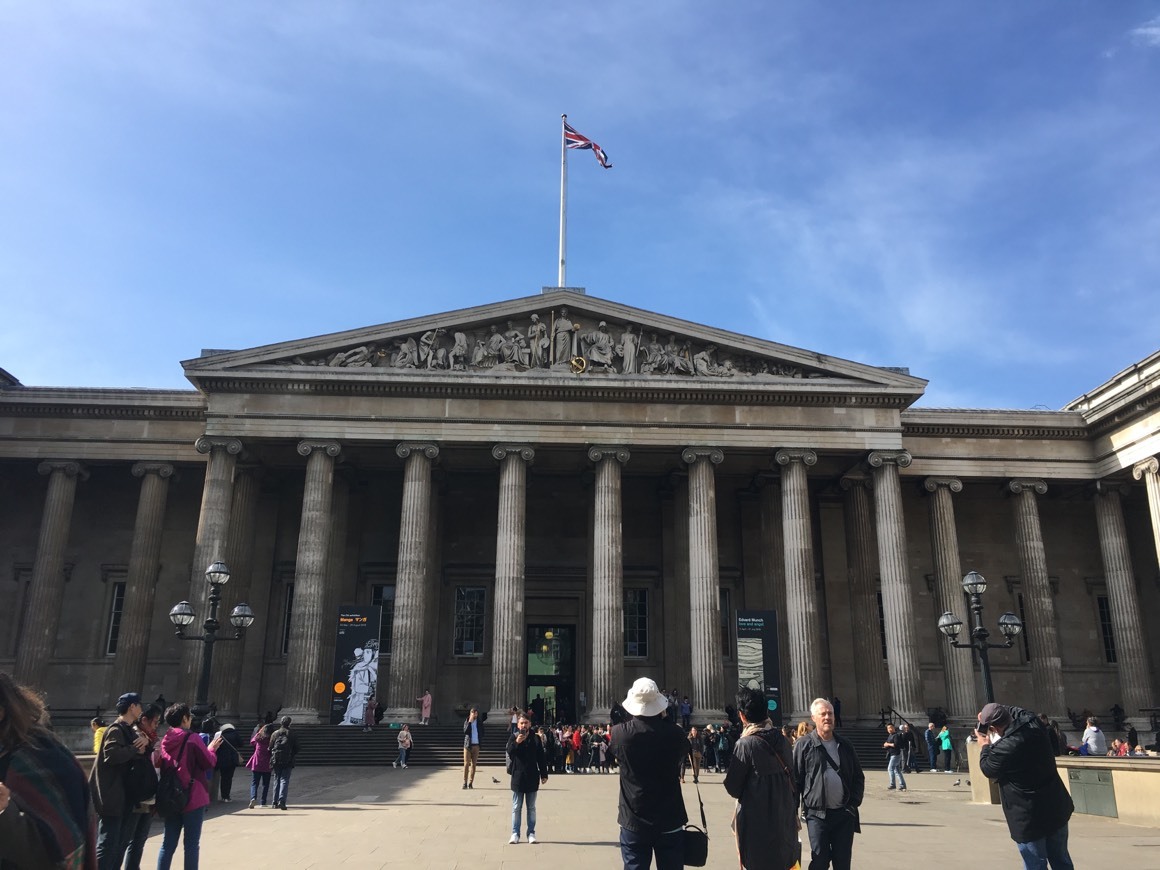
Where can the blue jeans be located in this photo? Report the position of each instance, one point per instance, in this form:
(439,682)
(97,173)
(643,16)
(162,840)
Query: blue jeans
(933,753)
(402,759)
(264,779)
(190,823)
(637,850)
(138,832)
(281,784)
(1051,849)
(519,798)
(894,766)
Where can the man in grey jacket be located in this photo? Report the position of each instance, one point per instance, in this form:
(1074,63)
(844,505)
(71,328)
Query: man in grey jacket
(831,783)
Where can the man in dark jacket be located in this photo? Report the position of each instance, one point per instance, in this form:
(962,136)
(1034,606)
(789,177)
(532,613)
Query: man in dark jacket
(120,747)
(529,766)
(830,780)
(766,820)
(649,750)
(1016,753)
(283,751)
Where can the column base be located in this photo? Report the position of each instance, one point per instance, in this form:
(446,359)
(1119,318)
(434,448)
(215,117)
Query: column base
(701,718)
(408,715)
(498,714)
(301,716)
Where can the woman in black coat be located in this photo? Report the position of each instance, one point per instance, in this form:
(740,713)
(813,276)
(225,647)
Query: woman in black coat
(529,768)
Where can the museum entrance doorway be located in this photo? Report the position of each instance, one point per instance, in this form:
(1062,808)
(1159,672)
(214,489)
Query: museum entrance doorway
(551,672)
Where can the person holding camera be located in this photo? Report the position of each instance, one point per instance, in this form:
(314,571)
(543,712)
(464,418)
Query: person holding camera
(528,764)
(472,740)
(831,783)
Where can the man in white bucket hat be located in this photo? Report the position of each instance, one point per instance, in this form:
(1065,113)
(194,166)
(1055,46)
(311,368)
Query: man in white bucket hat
(649,749)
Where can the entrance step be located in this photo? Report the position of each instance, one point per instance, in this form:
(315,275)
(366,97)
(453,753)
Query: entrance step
(434,745)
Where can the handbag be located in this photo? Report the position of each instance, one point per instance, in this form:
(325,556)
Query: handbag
(694,840)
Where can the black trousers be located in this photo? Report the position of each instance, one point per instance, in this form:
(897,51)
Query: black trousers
(831,840)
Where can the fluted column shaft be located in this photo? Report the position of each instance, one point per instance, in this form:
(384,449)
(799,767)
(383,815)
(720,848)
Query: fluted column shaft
(508,652)
(226,680)
(1149,472)
(704,584)
(411,600)
(897,600)
(212,525)
(948,590)
(607,583)
(307,663)
(1131,654)
(1042,638)
(46,593)
(335,581)
(862,563)
(773,560)
(141,582)
(801,595)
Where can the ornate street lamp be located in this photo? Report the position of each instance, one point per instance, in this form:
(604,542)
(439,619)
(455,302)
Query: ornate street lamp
(182,615)
(974,584)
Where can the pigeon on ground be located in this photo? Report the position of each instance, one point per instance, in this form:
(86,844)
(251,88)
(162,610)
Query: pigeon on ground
(957,782)
(968,782)
(493,779)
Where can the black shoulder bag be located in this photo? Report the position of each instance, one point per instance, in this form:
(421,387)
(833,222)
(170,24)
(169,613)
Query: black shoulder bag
(695,841)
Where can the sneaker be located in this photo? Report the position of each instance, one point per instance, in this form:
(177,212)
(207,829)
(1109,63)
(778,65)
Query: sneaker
(254,803)
(395,764)
(903,788)
(933,770)
(515,839)
(532,839)
(404,767)
(890,788)
(282,807)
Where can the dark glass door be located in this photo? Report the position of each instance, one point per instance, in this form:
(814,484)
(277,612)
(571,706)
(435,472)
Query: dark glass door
(551,673)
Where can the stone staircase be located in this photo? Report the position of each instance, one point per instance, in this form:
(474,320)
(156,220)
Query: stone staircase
(434,746)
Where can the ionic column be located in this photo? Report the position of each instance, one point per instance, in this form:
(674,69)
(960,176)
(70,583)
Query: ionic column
(677,629)
(773,561)
(704,583)
(1149,472)
(46,592)
(226,680)
(508,653)
(1042,639)
(607,583)
(1131,655)
(801,594)
(948,591)
(404,684)
(307,662)
(335,581)
(141,582)
(897,604)
(862,563)
(212,525)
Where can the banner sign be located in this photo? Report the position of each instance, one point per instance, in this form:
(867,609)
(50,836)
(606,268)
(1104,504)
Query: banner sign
(758,664)
(356,663)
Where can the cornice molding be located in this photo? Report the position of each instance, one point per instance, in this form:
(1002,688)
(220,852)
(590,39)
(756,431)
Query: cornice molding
(983,430)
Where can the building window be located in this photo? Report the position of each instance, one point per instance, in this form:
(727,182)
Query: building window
(636,623)
(116,610)
(469,621)
(383,595)
(1023,634)
(287,611)
(726,622)
(1106,631)
(882,625)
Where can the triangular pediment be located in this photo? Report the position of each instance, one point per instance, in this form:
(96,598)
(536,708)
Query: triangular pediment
(559,334)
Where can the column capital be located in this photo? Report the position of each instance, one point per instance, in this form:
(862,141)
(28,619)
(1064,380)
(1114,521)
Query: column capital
(878,458)
(597,452)
(525,451)
(206,443)
(690,455)
(161,469)
(69,467)
(1151,465)
(1021,483)
(786,455)
(308,446)
(427,448)
(1111,487)
(931,484)
(856,479)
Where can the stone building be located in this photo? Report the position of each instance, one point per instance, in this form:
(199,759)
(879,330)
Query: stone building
(557,494)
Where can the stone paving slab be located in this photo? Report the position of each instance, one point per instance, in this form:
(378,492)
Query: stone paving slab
(365,818)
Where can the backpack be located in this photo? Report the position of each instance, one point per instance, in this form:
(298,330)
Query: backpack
(280,748)
(722,743)
(172,796)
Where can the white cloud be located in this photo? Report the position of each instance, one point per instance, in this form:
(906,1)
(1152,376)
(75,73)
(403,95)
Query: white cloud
(1147,33)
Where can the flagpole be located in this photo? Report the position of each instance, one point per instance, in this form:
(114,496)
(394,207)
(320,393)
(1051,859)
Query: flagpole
(563,198)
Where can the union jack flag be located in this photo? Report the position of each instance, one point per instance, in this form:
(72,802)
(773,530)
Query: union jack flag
(574,140)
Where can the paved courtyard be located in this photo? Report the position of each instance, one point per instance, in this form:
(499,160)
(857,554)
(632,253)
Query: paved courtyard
(421,818)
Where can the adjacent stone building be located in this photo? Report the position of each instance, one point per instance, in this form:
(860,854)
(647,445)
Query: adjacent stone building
(557,494)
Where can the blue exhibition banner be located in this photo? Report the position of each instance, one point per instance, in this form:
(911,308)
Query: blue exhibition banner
(758,661)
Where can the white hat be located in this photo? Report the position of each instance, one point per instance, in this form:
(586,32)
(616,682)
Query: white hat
(645,699)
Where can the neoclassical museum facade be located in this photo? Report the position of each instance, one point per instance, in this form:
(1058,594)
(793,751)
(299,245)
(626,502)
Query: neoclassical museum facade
(557,494)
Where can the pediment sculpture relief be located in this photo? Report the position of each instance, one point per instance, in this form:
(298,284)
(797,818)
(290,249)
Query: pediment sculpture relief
(555,343)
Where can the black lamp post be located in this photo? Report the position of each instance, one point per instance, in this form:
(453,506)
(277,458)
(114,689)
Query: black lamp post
(242,617)
(975,585)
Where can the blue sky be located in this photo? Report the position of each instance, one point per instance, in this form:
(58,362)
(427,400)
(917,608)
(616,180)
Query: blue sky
(970,189)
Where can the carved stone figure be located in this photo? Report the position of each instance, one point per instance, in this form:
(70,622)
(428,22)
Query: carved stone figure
(598,347)
(562,330)
(459,353)
(627,351)
(538,343)
(431,353)
(407,356)
(705,364)
(515,346)
(654,356)
(677,360)
(355,358)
